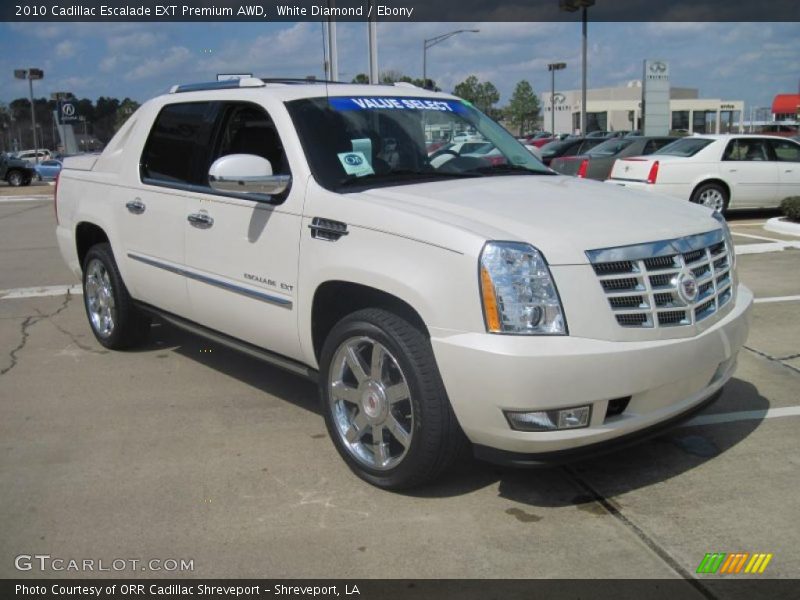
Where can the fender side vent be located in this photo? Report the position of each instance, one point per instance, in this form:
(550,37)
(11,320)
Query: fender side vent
(326,229)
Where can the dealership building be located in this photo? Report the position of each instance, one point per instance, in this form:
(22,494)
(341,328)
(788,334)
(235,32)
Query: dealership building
(620,108)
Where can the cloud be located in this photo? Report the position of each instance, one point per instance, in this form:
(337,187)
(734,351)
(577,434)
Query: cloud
(66,49)
(172,60)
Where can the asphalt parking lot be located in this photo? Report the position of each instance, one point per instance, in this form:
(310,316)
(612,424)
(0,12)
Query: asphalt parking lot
(186,450)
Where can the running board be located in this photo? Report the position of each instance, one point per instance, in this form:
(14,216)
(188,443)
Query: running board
(277,360)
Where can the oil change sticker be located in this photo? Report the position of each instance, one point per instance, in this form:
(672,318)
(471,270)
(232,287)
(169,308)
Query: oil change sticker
(355,163)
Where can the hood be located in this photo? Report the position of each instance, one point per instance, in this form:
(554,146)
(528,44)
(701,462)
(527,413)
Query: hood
(561,216)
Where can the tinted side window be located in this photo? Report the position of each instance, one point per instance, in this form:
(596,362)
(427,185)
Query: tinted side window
(657,144)
(180,135)
(746,149)
(247,129)
(785,151)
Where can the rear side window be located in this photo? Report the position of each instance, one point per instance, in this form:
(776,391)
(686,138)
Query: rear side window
(746,149)
(656,144)
(180,136)
(785,151)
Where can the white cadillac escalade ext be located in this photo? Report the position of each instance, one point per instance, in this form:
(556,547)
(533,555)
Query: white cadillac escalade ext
(485,299)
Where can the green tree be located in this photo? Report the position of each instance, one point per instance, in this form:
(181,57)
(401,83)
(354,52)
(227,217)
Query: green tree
(483,95)
(126,108)
(523,108)
(361,78)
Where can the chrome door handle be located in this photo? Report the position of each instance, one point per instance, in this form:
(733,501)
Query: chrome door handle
(732,170)
(201,220)
(136,206)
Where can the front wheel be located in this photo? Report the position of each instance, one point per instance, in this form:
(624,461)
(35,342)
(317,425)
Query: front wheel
(115,321)
(713,196)
(384,402)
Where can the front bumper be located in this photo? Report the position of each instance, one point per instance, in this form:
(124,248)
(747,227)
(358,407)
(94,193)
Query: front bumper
(487,374)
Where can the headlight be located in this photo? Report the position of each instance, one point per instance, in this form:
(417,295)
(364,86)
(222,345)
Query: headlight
(518,292)
(728,239)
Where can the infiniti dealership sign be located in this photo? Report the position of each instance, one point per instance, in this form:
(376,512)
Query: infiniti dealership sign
(655,98)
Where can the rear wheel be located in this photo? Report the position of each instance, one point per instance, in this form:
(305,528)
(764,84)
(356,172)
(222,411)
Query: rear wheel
(384,402)
(713,196)
(15,178)
(115,321)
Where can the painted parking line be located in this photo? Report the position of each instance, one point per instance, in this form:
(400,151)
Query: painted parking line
(765,247)
(41,291)
(744,415)
(15,199)
(777,299)
(757,237)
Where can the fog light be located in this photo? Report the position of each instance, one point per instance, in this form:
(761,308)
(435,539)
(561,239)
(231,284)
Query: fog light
(550,420)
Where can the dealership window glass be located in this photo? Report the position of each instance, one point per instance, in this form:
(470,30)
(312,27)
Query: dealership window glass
(699,121)
(711,121)
(680,120)
(785,151)
(596,121)
(352,142)
(684,147)
(180,135)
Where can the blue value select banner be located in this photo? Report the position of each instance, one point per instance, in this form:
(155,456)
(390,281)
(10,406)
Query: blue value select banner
(395,103)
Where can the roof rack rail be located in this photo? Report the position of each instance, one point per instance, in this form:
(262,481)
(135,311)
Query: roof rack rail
(297,80)
(217,85)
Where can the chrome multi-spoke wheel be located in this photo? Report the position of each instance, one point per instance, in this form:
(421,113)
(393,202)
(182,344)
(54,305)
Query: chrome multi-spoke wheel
(711,195)
(116,322)
(99,297)
(384,402)
(712,198)
(370,403)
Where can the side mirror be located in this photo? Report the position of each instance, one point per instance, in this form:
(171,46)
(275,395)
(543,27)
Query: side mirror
(246,174)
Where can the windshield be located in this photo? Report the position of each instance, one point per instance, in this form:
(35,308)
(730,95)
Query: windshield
(684,147)
(353,142)
(610,148)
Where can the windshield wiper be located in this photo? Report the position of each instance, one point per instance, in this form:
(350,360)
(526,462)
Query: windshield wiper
(506,169)
(403,175)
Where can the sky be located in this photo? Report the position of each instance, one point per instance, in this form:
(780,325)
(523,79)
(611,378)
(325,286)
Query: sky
(732,61)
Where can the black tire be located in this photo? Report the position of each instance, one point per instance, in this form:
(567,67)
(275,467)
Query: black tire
(436,438)
(130,326)
(712,195)
(15,178)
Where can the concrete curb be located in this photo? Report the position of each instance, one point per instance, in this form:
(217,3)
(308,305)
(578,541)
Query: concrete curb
(781,225)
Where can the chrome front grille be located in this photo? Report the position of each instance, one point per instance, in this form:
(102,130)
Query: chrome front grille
(650,285)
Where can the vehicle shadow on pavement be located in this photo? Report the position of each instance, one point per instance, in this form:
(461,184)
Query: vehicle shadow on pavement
(256,373)
(638,466)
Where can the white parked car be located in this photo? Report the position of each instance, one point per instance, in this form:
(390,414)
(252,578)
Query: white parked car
(534,316)
(31,156)
(718,171)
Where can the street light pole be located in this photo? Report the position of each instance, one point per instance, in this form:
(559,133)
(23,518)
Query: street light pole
(372,35)
(430,43)
(573,6)
(553,67)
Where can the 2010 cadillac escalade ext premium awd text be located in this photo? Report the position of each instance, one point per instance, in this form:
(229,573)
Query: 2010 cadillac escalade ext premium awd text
(489,301)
